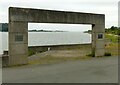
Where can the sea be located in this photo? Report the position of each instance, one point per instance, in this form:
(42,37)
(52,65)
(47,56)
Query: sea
(49,38)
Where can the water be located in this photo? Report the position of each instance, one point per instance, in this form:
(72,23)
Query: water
(49,38)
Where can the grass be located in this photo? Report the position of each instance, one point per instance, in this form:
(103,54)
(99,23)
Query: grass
(50,59)
(30,52)
(112,48)
(112,44)
(112,38)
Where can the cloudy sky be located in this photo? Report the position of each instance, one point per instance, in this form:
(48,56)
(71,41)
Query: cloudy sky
(107,7)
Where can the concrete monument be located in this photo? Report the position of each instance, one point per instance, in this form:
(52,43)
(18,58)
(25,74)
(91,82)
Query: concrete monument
(18,29)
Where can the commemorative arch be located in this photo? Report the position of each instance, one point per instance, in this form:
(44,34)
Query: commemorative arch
(18,29)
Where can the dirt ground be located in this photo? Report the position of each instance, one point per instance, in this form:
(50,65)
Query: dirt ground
(60,54)
(69,54)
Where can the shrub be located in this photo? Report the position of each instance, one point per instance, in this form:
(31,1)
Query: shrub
(91,54)
(107,54)
(30,52)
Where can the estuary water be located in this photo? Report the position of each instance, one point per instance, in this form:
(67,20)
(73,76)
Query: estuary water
(49,38)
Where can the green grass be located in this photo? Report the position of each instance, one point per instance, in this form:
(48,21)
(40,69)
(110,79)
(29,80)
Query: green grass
(112,38)
(112,45)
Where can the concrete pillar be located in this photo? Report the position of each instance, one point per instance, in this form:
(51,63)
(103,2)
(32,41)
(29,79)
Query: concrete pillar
(18,43)
(98,43)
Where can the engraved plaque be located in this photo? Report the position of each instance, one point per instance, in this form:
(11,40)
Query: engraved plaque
(18,37)
(100,36)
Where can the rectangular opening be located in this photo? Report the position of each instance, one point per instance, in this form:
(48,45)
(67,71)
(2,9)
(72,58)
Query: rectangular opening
(49,36)
(57,34)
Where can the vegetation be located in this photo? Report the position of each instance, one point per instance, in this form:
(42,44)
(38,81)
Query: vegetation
(93,55)
(112,35)
(90,55)
(46,30)
(51,60)
(30,52)
(112,38)
(107,54)
(113,30)
(89,31)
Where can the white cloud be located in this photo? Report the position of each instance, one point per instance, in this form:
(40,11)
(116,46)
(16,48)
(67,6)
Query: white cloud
(65,27)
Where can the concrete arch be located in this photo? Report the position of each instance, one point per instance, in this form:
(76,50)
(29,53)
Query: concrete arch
(18,29)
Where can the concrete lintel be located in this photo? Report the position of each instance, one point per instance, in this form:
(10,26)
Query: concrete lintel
(53,16)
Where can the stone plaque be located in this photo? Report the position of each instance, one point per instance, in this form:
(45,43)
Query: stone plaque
(18,37)
(100,36)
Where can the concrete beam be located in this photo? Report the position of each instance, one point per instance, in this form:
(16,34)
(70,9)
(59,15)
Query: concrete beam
(52,16)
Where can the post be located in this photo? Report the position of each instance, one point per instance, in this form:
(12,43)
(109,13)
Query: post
(18,43)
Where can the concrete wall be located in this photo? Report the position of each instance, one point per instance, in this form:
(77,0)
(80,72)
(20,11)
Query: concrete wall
(18,25)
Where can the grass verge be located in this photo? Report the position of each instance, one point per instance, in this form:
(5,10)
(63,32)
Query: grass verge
(50,59)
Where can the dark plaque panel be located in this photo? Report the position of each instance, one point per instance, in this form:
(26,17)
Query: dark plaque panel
(100,36)
(19,38)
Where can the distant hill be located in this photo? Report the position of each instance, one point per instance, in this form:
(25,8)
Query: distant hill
(89,31)
(4,28)
(113,30)
(45,31)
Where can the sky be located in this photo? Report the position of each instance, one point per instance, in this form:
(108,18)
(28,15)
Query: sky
(119,14)
(107,7)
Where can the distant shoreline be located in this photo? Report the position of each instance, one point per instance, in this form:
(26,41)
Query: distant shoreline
(40,31)
(46,31)
(89,31)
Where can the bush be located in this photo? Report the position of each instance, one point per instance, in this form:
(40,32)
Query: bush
(30,52)
(107,54)
(91,55)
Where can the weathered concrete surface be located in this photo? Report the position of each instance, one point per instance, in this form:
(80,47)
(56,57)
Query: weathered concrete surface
(52,16)
(97,70)
(0,69)
(18,50)
(18,25)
